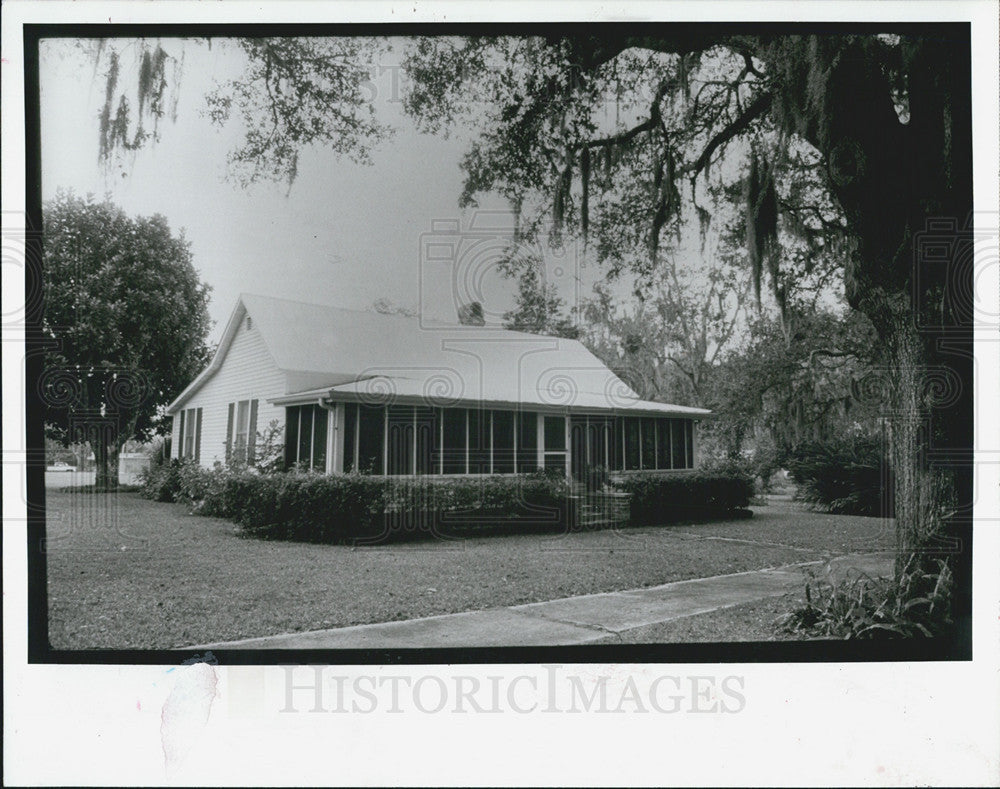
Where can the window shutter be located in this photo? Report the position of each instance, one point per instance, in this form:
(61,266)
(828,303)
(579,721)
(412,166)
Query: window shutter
(197,437)
(180,441)
(252,432)
(229,432)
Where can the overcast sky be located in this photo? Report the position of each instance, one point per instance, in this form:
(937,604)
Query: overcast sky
(345,234)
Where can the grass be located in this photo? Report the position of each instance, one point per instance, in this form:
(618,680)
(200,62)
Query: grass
(756,621)
(124,572)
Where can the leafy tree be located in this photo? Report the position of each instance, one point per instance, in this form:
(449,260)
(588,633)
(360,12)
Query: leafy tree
(842,140)
(820,134)
(668,344)
(785,390)
(126,319)
(538,308)
(471,314)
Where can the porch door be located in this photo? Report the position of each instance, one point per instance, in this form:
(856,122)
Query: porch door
(589,442)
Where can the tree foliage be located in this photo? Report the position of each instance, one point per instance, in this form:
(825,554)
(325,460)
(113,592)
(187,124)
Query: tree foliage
(783,391)
(290,93)
(668,344)
(125,323)
(836,147)
(538,308)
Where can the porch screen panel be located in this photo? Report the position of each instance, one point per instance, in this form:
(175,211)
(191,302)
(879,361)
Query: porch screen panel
(291,435)
(428,438)
(555,442)
(678,443)
(617,459)
(632,443)
(689,443)
(453,447)
(663,443)
(305,435)
(320,422)
(479,441)
(527,442)
(350,431)
(503,442)
(578,445)
(598,436)
(648,443)
(400,423)
(371,435)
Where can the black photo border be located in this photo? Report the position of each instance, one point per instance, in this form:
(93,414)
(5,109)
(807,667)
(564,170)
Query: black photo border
(40,650)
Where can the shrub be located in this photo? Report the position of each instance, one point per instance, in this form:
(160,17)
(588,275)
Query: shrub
(269,449)
(843,477)
(596,478)
(665,498)
(916,603)
(162,481)
(360,508)
(760,465)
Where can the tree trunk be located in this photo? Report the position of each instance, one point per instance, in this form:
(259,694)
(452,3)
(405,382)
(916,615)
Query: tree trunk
(105,459)
(922,493)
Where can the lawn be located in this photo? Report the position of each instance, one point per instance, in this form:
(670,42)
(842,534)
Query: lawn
(756,621)
(124,572)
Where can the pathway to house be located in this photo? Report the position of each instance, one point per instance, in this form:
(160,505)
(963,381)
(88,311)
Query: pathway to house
(570,620)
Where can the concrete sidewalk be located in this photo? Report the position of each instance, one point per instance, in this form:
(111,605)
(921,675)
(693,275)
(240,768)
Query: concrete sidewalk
(571,620)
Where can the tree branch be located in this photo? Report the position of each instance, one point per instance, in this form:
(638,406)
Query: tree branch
(757,109)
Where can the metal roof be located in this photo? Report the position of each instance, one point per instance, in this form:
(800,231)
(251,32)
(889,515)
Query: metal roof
(373,357)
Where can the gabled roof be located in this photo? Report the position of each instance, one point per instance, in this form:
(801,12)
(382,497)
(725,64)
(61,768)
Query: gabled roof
(359,354)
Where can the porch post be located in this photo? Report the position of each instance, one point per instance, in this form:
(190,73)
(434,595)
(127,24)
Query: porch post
(569,447)
(335,440)
(694,444)
(540,433)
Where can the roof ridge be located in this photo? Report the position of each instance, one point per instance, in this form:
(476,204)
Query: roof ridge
(431,322)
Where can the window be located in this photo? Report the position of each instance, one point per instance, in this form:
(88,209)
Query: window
(305,436)
(241,430)
(190,434)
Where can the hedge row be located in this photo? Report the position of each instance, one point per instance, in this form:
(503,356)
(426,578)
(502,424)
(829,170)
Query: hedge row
(657,498)
(357,508)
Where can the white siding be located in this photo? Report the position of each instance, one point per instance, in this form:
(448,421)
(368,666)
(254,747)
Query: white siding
(247,372)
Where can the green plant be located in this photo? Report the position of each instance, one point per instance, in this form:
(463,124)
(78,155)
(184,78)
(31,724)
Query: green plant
(356,507)
(596,478)
(162,481)
(664,498)
(915,603)
(844,477)
(269,448)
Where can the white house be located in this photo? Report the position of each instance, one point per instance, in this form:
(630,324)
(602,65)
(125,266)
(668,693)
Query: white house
(389,394)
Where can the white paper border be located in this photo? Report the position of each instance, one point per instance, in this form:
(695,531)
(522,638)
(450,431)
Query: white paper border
(844,724)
